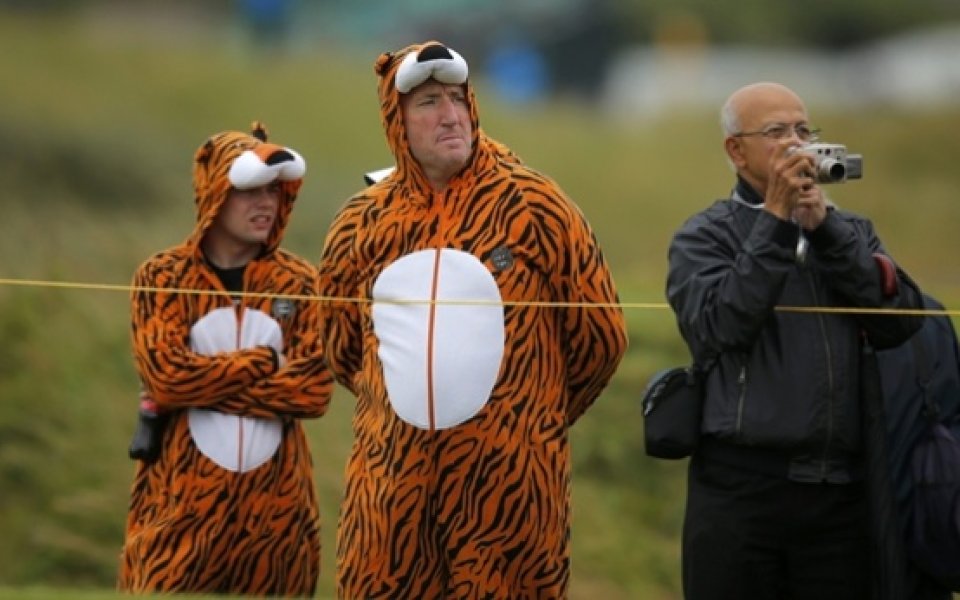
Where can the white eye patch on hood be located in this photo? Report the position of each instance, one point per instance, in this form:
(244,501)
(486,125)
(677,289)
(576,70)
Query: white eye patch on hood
(266,163)
(436,61)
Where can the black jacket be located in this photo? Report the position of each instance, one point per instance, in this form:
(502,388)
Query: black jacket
(785,381)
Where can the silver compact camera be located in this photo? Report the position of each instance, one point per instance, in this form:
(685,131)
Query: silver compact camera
(834,165)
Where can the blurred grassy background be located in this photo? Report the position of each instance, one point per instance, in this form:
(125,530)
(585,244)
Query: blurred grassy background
(98,123)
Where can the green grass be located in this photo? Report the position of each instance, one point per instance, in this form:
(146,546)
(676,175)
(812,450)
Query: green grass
(99,125)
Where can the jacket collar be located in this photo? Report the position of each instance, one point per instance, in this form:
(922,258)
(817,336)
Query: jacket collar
(746,193)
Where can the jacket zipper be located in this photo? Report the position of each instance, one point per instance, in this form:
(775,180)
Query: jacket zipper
(741,401)
(830,384)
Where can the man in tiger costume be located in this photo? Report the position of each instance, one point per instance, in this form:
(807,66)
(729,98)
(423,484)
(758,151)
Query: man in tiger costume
(467,305)
(226,342)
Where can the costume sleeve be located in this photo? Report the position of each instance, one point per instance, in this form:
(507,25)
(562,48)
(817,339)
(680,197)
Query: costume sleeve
(855,264)
(175,376)
(302,386)
(594,326)
(340,295)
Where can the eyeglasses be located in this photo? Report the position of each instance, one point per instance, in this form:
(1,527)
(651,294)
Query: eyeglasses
(779,131)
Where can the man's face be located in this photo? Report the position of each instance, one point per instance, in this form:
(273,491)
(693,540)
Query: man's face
(246,217)
(767,117)
(437,121)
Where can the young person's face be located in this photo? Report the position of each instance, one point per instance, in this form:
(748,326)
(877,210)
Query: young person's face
(244,222)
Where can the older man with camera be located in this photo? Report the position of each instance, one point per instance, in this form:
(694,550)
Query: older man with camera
(776,504)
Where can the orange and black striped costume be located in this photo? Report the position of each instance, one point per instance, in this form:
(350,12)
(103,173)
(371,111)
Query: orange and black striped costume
(467,378)
(229,506)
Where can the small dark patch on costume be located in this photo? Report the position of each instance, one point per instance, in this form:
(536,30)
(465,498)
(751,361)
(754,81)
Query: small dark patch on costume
(282,308)
(501,258)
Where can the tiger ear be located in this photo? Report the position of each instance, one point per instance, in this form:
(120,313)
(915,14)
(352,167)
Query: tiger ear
(259,131)
(383,63)
(204,152)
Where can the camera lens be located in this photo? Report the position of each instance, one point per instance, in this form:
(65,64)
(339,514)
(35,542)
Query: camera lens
(830,170)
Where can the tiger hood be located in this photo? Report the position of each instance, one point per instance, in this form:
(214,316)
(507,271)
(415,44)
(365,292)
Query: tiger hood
(232,159)
(398,73)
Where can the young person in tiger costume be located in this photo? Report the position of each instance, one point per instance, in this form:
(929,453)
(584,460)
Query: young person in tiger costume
(467,305)
(226,342)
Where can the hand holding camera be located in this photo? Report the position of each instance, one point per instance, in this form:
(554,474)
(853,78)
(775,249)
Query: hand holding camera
(833,164)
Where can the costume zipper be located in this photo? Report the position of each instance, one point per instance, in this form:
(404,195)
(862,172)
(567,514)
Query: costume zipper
(437,205)
(239,308)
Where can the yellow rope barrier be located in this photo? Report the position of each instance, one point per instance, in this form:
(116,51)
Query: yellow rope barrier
(624,305)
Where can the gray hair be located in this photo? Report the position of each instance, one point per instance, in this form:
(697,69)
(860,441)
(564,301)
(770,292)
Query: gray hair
(729,124)
(729,120)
